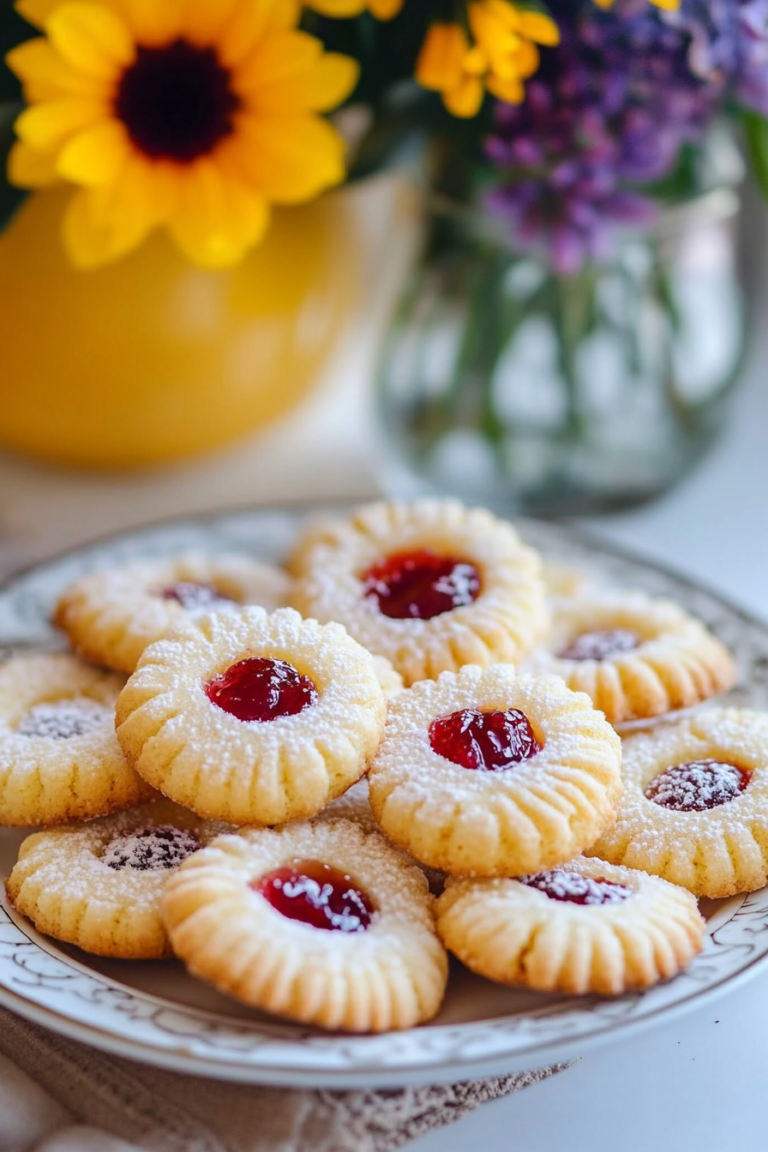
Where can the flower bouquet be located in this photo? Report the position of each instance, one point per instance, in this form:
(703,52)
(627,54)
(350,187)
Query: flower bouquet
(575,158)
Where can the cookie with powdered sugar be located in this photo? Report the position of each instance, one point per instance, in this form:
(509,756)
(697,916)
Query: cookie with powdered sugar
(98,885)
(486,773)
(110,617)
(431,585)
(319,922)
(695,805)
(59,756)
(252,718)
(635,656)
(587,926)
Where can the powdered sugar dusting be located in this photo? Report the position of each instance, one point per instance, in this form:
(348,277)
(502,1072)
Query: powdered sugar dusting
(573,888)
(697,785)
(600,645)
(151,849)
(194,596)
(64,719)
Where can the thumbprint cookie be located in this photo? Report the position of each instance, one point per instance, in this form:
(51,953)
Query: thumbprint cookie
(98,885)
(636,657)
(110,617)
(487,773)
(431,585)
(319,922)
(59,756)
(695,804)
(587,926)
(252,718)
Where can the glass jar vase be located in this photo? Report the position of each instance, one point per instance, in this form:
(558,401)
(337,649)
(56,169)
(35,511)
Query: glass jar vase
(507,384)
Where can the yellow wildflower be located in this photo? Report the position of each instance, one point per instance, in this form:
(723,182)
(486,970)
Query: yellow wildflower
(668,5)
(381,9)
(194,115)
(500,57)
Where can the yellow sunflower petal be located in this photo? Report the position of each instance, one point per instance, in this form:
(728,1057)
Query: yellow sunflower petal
(441,61)
(338,8)
(45,75)
(251,21)
(30,169)
(279,57)
(96,156)
(289,160)
(153,22)
(48,125)
(102,224)
(92,39)
(385,9)
(465,99)
(319,89)
(36,12)
(204,20)
(217,219)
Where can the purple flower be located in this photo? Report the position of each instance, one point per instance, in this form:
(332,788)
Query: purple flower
(728,45)
(609,111)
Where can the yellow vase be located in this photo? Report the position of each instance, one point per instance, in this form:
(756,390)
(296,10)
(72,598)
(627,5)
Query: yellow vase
(152,358)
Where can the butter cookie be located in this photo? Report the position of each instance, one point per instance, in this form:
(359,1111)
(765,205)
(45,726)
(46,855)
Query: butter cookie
(110,617)
(98,885)
(486,773)
(636,657)
(319,922)
(695,804)
(252,718)
(586,926)
(59,756)
(431,585)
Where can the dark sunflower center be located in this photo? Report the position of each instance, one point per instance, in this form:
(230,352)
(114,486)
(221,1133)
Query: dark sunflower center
(176,102)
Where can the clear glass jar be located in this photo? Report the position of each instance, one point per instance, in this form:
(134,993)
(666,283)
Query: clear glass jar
(509,385)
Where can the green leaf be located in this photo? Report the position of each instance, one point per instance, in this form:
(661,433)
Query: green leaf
(10,197)
(756,135)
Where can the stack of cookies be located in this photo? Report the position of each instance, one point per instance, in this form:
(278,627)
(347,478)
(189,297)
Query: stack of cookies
(309,784)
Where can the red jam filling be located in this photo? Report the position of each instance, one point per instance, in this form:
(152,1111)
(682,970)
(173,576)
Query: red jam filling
(151,849)
(600,645)
(491,741)
(194,596)
(697,785)
(573,888)
(262,689)
(318,895)
(420,585)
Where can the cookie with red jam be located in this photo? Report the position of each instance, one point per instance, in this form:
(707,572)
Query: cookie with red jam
(486,773)
(695,804)
(318,922)
(59,756)
(98,885)
(431,585)
(110,617)
(252,718)
(636,657)
(586,926)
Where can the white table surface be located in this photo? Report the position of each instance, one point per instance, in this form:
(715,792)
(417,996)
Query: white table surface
(696,1083)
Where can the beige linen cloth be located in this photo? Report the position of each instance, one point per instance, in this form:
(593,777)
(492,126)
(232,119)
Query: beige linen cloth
(57,1095)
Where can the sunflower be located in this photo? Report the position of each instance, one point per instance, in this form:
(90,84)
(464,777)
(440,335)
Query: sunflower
(193,114)
(381,9)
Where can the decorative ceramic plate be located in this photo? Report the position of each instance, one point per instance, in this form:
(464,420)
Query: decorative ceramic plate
(155,1012)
